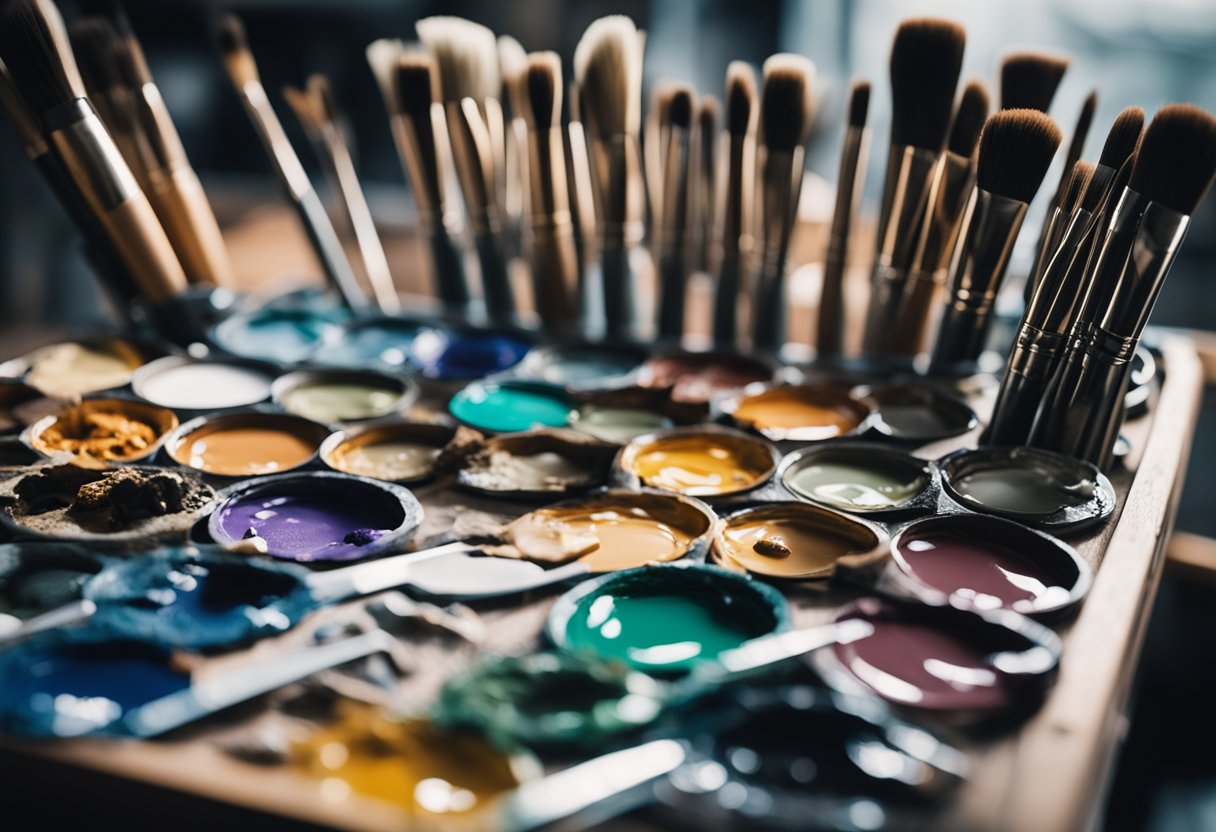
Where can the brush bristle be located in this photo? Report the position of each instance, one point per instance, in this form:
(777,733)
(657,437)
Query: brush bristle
(512,64)
(322,94)
(11,99)
(740,97)
(234,47)
(660,103)
(785,101)
(608,68)
(34,46)
(96,46)
(415,85)
(466,54)
(859,103)
(968,120)
(1077,189)
(382,56)
(707,115)
(136,67)
(1177,157)
(925,62)
(1029,80)
(543,82)
(1123,138)
(679,109)
(1076,145)
(1016,148)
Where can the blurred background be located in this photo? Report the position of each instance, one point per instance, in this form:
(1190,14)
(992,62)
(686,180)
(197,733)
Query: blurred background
(1145,52)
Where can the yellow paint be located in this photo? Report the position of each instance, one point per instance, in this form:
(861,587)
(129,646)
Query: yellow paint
(805,413)
(701,464)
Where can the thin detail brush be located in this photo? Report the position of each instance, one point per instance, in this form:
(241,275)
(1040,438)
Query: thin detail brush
(738,193)
(704,183)
(671,234)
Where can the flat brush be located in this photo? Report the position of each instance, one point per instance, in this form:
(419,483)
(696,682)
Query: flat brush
(170,181)
(738,191)
(671,232)
(1172,172)
(829,331)
(409,84)
(927,276)
(34,46)
(1042,332)
(243,71)
(608,68)
(925,61)
(466,55)
(785,122)
(1016,148)
(553,256)
(98,247)
(704,183)
(1029,80)
(316,110)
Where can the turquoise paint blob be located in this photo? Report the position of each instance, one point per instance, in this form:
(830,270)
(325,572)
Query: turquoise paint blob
(286,336)
(508,406)
(667,620)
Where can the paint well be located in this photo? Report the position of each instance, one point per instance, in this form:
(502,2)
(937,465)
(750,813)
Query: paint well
(511,406)
(915,412)
(391,461)
(70,370)
(858,484)
(698,377)
(183,384)
(381,344)
(247,446)
(100,431)
(445,355)
(589,366)
(342,402)
(790,540)
(1014,489)
(618,425)
(285,336)
(805,414)
(700,464)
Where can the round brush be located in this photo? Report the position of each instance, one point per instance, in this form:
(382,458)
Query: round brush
(734,229)
(670,233)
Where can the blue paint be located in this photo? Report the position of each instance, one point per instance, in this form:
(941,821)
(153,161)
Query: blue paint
(286,336)
(382,344)
(60,687)
(590,366)
(191,601)
(446,355)
(512,406)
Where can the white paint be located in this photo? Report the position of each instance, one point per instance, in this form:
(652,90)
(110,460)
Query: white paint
(205,386)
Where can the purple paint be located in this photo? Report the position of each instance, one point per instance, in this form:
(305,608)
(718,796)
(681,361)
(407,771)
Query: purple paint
(988,565)
(307,527)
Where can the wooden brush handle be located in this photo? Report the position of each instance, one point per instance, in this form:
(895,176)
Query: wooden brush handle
(145,249)
(182,206)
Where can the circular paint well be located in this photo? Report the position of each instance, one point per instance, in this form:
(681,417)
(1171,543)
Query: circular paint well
(618,425)
(315,517)
(990,563)
(700,463)
(807,413)
(398,452)
(73,368)
(185,384)
(699,377)
(790,540)
(39,577)
(62,688)
(858,478)
(246,444)
(665,620)
(942,660)
(381,344)
(585,366)
(459,355)
(510,406)
(102,432)
(1028,484)
(628,530)
(919,413)
(412,764)
(336,397)
(285,336)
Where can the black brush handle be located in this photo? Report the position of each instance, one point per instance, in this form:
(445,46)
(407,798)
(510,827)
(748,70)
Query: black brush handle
(450,282)
(673,286)
(727,297)
(620,302)
(495,282)
(328,248)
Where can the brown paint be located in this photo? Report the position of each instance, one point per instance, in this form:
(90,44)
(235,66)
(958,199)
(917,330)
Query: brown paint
(244,451)
(790,540)
(807,413)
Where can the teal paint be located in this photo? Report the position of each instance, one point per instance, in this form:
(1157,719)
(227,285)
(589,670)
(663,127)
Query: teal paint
(511,406)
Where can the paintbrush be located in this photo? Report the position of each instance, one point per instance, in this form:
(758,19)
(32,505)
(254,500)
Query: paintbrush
(553,257)
(1045,323)
(608,68)
(243,71)
(925,61)
(512,64)
(738,190)
(34,47)
(172,186)
(829,330)
(1029,80)
(670,236)
(785,122)
(1015,150)
(582,203)
(95,43)
(704,184)
(1172,172)
(316,110)
(653,142)
(409,85)
(939,235)
(466,55)
(99,248)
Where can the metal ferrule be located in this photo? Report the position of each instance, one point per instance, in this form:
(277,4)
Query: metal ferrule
(549,194)
(1052,305)
(990,227)
(162,147)
(615,180)
(909,188)
(1158,237)
(90,156)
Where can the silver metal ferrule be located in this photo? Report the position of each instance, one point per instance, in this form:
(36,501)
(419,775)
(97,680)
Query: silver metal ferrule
(90,156)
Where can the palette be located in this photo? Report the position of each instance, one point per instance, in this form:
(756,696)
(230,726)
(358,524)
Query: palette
(246,443)
(339,397)
(403,452)
(800,413)
(701,462)
(872,480)
(186,384)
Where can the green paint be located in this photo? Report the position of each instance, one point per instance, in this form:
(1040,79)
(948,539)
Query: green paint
(511,406)
(1032,491)
(663,633)
(341,402)
(618,424)
(867,486)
